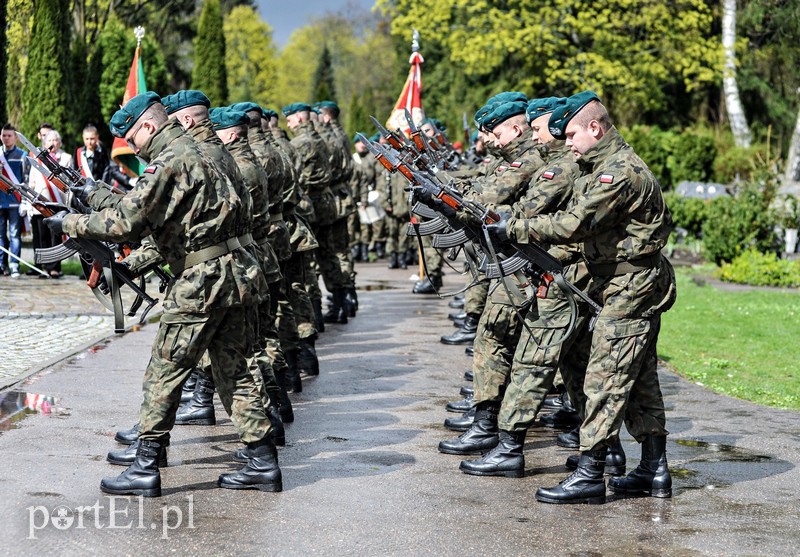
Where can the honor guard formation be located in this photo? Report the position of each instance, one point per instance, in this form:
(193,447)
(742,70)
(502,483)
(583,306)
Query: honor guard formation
(555,221)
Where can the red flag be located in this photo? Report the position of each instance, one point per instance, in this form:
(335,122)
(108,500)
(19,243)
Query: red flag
(120,152)
(411,97)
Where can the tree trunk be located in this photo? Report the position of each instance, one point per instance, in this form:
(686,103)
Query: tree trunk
(733,104)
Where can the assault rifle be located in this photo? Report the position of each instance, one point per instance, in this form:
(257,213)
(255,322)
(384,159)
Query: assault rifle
(94,252)
(447,201)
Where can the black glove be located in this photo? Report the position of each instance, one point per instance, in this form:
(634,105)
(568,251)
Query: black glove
(83,191)
(56,222)
(499,230)
(418,193)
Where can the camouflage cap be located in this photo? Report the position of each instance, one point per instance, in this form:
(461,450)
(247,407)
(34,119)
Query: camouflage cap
(507,97)
(329,105)
(223,118)
(503,112)
(539,107)
(124,118)
(183,99)
(567,110)
(290,109)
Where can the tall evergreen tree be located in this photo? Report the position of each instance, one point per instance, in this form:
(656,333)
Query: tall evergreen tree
(323,86)
(3,59)
(209,73)
(44,93)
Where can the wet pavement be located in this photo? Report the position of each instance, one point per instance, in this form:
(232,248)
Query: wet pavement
(361,472)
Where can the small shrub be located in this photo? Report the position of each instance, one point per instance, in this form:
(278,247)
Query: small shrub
(653,145)
(692,156)
(689,213)
(761,269)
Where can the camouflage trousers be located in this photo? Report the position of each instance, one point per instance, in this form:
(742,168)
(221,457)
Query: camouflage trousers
(621,382)
(327,254)
(343,253)
(475,298)
(397,240)
(542,351)
(298,301)
(498,333)
(375,232)
(433,258)
(354,229)
(181,341)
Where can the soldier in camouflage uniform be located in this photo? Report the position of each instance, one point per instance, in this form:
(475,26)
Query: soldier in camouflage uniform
(193,219)
(361,184)
(302,244)
(622,223)
(338,143)
(394,201)
(499,327)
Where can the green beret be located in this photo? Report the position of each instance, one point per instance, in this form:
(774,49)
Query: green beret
(507,97)
(183,99)
(124,118)
(290,109)
(503,112)
(268,113)
(436,124)
(329,105)
(315,109)
(246,107)
(482,113)
(474,137)
(375,136)
(356,138)
(567,110)
(223,118)
(538,107)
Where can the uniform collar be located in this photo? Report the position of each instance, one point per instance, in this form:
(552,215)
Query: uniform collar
(518,146)
(609,144)
(238,145)
(166,134)
(202,130)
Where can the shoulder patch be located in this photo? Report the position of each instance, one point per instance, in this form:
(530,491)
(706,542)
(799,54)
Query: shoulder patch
(548,175)
(487,160)
(516,164)
(151,169)
(606,178)
(501,168)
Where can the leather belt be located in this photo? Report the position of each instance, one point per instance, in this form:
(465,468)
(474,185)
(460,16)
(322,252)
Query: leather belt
(624,267)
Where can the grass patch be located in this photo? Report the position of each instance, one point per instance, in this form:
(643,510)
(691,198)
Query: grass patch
(742,344)
(68,267)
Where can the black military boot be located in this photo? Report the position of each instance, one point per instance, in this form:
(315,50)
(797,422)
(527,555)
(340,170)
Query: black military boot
(351,300)
(199,410)
(126,457)
(467,391)
(355,251)
(188,388)
(402,260)
(142,477)
(364,255)
(127,436)
(380,249)
(584,485)
(565,417)
(465,334)
(463,422)
(457,302)
(278,431)
(291,377)
(469,351)
(652,476)
(469,376)
(307,361)
(506,459)
(615,460)
(460,405)
(570,439)
(284,403)
(393,261)
(428,285)
(261,471)
(480,437)
(457,316)
(318,317)
(337,312)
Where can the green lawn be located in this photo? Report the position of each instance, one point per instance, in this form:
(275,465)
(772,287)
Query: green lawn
(743,344)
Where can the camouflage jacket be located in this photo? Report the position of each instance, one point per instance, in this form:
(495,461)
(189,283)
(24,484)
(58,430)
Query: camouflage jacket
(218,157)
(620,214)
(363,179)
(181,202)
(291,188)
(314,172)
(256,182)
(270,160)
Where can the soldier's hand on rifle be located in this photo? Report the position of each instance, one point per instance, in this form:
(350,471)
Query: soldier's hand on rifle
(499,230)
(418,193)
(83,191)
(56,222)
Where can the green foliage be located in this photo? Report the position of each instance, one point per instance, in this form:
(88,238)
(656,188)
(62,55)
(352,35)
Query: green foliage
(20,21)
(761,269)
(692,156)
(654,146)
(689,213)
(209,74)
(250,60)
(322,86)
(735,224)
(44,93)
(3,23)
(735,163)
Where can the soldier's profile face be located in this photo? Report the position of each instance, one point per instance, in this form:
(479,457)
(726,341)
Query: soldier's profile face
(541,133)
(505,133)
(581,138)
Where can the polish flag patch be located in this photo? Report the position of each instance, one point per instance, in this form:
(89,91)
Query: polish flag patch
(501,168)
(549,175)
(516,164)
(606,178)
(150,169)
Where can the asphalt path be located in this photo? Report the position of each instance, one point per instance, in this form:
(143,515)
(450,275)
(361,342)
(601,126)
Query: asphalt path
(362,475)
